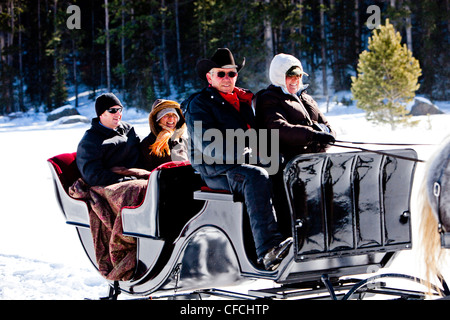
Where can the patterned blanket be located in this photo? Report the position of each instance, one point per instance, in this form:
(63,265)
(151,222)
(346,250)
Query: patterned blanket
(115,253)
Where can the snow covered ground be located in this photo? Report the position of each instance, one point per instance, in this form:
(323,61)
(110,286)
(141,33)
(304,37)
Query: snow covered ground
(41,257)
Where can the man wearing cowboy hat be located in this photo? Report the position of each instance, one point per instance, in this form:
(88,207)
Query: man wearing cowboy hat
(221,107)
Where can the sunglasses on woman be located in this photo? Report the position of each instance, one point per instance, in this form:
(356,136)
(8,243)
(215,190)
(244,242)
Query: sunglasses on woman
(221,74)
(114,110)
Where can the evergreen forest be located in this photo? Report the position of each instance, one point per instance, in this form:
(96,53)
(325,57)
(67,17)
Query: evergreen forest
(148,49)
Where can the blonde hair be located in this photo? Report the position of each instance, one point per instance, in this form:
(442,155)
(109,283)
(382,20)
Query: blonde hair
(161,145)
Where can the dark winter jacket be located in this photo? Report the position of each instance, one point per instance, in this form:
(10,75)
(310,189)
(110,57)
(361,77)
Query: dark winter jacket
(178,152)
(177,143)
(102,148)
(211,111)
(293,116)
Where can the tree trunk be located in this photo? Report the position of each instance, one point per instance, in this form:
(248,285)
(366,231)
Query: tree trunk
(268,40)
(122,45)
(40,60)
(93,73)
(408,28)
(163,47)
(357,30)
(75,79)
(9,81)
(11,34)
(108,68)
(179,61)
(300,27)
(447,4)
(55,22)
(335,48)
(21,98)
(323,45)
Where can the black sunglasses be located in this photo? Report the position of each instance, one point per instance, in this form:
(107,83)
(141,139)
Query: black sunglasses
(231,74)
(114,110)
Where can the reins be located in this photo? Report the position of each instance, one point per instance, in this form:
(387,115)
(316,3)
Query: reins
(388,143)
(381,152)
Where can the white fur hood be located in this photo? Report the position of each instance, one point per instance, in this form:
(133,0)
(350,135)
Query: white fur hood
(280,64)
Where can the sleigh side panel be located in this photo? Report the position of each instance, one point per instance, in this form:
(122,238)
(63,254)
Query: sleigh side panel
(349,203)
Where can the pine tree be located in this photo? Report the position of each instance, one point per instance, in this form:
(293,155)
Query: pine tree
(387,78)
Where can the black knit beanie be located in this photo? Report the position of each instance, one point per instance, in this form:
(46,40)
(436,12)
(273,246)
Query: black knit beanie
(106,101)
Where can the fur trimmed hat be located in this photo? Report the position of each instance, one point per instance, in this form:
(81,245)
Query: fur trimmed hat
(158,106)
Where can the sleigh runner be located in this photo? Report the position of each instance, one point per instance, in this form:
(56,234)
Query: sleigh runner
(349,216)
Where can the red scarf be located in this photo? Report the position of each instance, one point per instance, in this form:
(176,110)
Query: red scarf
(232,99)
(237,96)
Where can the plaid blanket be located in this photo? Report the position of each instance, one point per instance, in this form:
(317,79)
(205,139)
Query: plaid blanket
(115,253)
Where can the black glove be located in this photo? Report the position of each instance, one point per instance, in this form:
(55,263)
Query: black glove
(323,137)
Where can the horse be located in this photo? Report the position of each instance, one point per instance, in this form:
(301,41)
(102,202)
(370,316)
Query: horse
(434,208)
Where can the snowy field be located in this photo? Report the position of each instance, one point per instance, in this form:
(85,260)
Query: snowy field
(41,257)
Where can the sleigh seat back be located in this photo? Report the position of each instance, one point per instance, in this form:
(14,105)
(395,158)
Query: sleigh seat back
(64,173)
(166,190)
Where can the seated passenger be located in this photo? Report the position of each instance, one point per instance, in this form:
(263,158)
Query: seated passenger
(109,143)
(285,106)
(108,160)
(217,108)
(167,140)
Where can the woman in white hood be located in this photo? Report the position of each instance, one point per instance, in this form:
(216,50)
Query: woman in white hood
(285,106)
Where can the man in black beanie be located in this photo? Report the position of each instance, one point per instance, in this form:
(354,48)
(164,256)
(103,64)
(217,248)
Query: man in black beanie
(106,101)
(108,145)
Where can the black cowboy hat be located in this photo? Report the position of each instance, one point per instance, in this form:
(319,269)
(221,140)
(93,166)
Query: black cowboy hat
(222,58)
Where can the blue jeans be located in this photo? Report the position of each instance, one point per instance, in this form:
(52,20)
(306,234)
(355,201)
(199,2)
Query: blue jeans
(253,184)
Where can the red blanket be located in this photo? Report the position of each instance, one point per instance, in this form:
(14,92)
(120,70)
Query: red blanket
(115,253)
